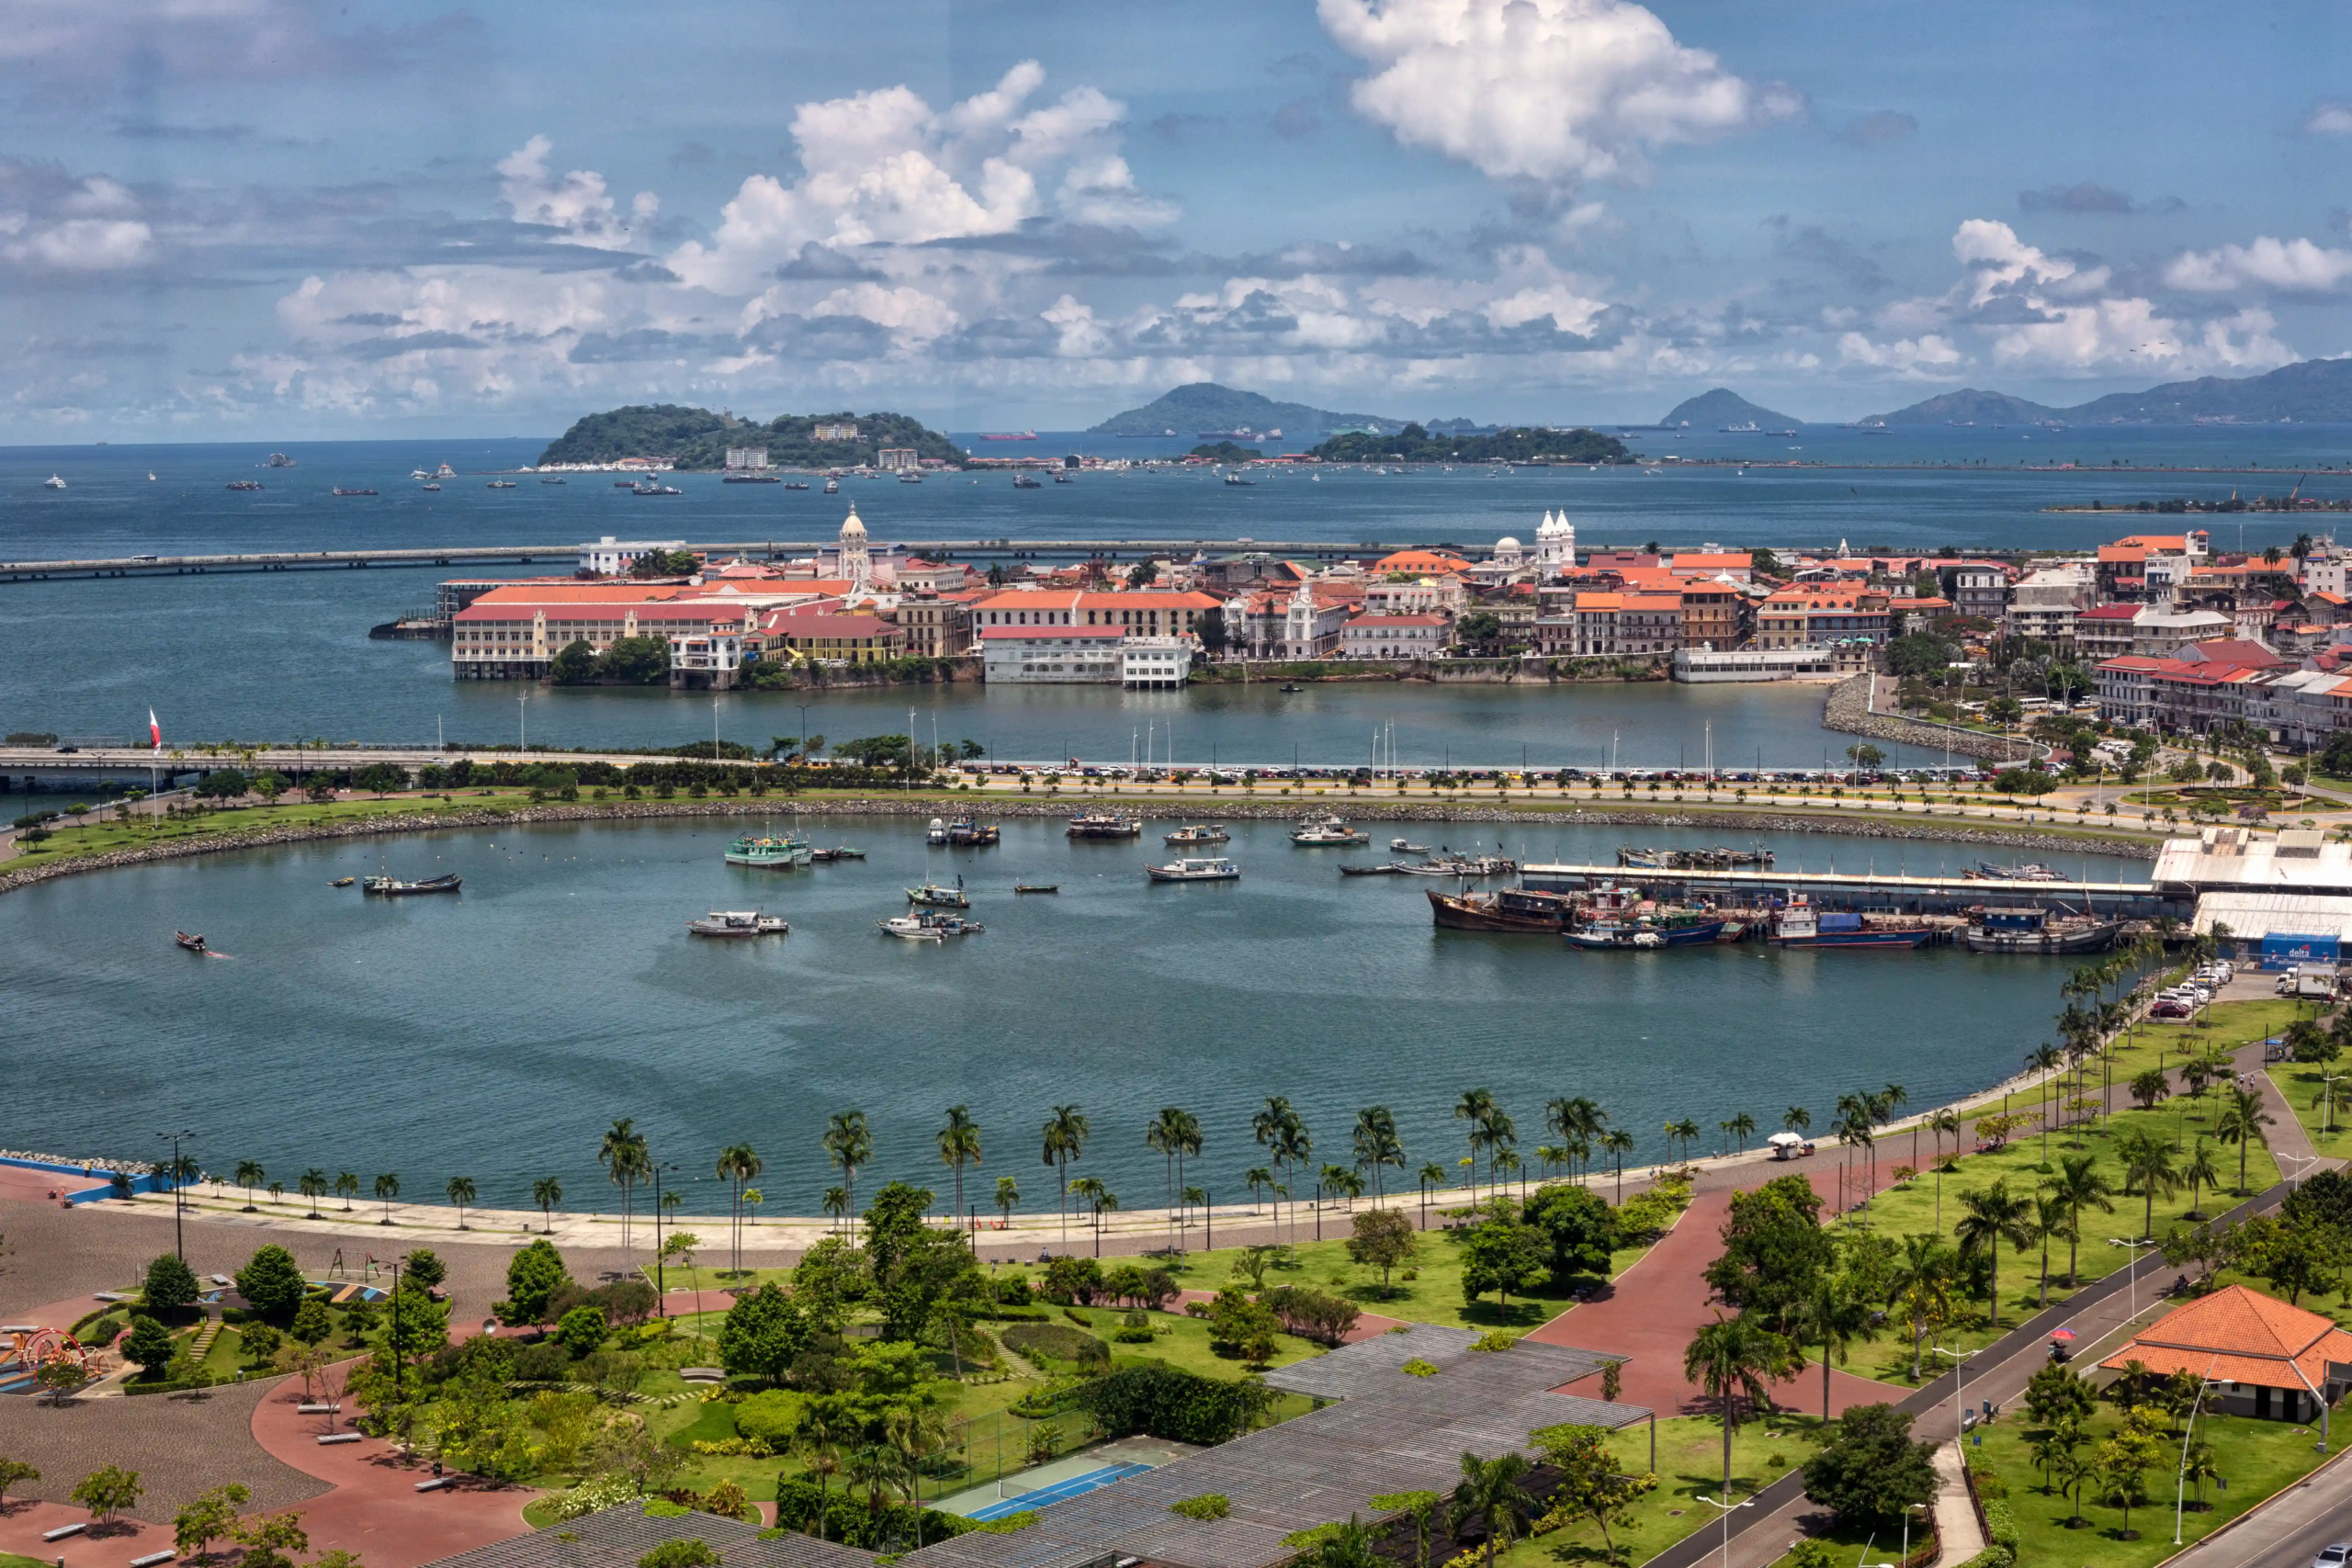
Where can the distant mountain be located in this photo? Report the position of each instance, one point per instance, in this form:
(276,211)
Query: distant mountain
(1203,406)
(1713,411)
(698,438)
(2311,391)
(1510,445)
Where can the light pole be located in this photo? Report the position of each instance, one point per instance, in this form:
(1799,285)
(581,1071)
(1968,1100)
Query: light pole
(2132,1274)
(522,725)
(660,1282)
(1727,1509)
(179,1246)
(2180,1482)
(804,731)
(1959,1378)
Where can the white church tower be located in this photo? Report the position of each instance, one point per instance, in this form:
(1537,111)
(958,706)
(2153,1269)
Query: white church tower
(1556,545)
(857,563)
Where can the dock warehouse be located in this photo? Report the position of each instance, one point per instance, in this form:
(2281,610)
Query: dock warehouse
(2280,930)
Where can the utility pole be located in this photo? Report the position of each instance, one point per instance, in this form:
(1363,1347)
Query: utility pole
(179,1242)
(660,1283)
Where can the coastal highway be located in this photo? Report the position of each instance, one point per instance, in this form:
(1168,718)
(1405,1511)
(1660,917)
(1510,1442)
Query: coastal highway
(532,554)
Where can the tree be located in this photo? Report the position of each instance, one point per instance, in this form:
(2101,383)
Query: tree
(1833,1317)
(250,1175)
(1591,1486)
(1922,1282)
(2123,1461)
(1989,1216)
(272,1285)
(1064,1140)
(2148,1169)
(149,1345)
(635,661)
(546,1193)
(533,1277)
(575,664)
(959,1145)
(1418,1506)
(1503,1255)
(1493,1490)
(1479,628)
(425,1267)
(582,1330)
(763,1333)
(388,1187)
(2055,1397)
(170,1286)
(2240,1123)
(1774,1248)
(12,1471)
(380,778)
(460,1192)
(107,1491)
(625,1157)
(2079,1184)
(1384,1240)
(1581,1228)
(311,1322)
(1008,1197)
(1736,1362)
(1869,1470)
(270,1540)
(1866,757)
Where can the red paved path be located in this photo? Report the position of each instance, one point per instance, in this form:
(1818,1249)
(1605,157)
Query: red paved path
(1649,1312)
(21,1532)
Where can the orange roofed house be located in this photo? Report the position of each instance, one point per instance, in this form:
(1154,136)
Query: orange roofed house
(2265,1358)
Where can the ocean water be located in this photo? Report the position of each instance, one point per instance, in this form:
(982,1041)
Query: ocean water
(287,654)
(495,1033)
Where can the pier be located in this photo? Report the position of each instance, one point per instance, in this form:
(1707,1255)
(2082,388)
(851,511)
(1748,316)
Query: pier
(1885,892)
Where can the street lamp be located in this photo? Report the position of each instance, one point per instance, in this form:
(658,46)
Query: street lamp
(2180,1482)
(176,1170)
(1959,1377)
(660,1284)
(2132,1274)
(1726,1508)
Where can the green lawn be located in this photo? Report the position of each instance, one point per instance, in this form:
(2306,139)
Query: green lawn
(2300,1085)
(2258,1459)
(1689,1465)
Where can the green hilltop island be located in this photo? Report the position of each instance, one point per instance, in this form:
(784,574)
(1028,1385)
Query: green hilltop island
(690,438)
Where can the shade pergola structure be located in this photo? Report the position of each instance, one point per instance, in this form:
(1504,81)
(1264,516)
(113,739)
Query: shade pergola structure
(1387,1430)
(617,1537)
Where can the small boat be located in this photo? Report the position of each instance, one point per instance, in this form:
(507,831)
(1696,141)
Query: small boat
(796,484)
(839,851)
(832,487)
(1801,925)
(949,925)
(1604,934)
(552,480)
(911,928)
(343,882)
(52,482)
(738,922)
(965,834)
(1290,687)
(651,490)
(193,944)
(1064,479)
(1237,479)
(341,490)
(1406,847)
(1327,831)
(1987,871)
(418,474)
(1103,825)
(1198,833)
(1036,888)
(393,888)
(1213,868)
(766,851)
(1026,482)
(430,484)
(2037,931)
(1463,865)
(500,484)
(937,895)
(911,479)
(150,476)
(244,484)
(1385,868)
(937,832)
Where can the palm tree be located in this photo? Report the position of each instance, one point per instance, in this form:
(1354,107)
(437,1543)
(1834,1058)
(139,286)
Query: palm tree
(1291,1147)
(1378,1145)
(2199,1172)
(1430,1177)
(849,1144)
(312,1184)
(1174,1134)
(1990,1215)
(2081,1185)
(1685,1130)
(2043,1059)
(388,1187)
(1942,1121)
(1159,1136)
(1256,1178)
(1619,1143)
(546,1193)
(1796,1119)
(2240,1123)
(1834,1317)
(1577,1117)
(1008,1197)
(346,1187)
(1734,1361)
(2073,1471)
(1494,1489)
(1922,1282)
(1475,1107)
(2148,1169)
(959,1145)
(461,1192)
(622,1153)
(738,1165)
(2051,1217)
(1099,1198)
(1742,1126)
(835,1201)
(1065,1140)
(817,1444)
(250,1175)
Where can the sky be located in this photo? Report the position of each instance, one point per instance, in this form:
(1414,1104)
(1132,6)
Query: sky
(289,220)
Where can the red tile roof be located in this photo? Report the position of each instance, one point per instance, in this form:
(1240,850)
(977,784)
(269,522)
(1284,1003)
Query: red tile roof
(2240,1334)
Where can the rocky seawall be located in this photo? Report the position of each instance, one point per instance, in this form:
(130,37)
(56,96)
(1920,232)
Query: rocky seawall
(1628,814)
(1848,711)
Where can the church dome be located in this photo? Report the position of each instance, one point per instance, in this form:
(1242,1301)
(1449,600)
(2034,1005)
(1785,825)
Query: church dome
(1506,543)
(853,531)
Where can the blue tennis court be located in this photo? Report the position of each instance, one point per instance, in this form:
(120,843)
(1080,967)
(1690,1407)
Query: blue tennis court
(1060,1491)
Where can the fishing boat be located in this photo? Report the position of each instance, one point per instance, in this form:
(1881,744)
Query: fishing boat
(393,888)
(909,928)
(1103,825)
(1691,860)
(770,853)
(1197,833)
(796,484)
(1603,934)
(965,834)
(1463,865)
(1327,831)
(1385,868)
(937,895)
(1407,847)
(1522,909)
(194,943)
(1189,868)
(500,484)
(832,487)
(739,923)
(343,882)
(1036,888)
(839,851)
(1027,481)
(341,490)
(1987,871)
(2037,931)
(1801,925)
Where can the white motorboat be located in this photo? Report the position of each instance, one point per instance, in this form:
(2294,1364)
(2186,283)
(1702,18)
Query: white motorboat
(52,482)
(1197,833)
(1327,831)
(738,922)
(1407,847)
(1191,868)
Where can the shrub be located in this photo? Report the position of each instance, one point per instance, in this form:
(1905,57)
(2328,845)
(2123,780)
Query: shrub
(1419,1369)
(582,1330)
(1495,1340)
(547,1361)
(771,1417)
(1163,1402)
(1208,1505)
(1311,1313)
(592,1496)
(1057,1341)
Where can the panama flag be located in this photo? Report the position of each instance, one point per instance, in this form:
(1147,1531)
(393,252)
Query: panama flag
(154,732)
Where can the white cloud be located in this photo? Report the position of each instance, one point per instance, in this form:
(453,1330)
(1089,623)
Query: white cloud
(1915,358)
(909,312)
(55,224)
(2330,119)
(578,203)
(2293,265)
(2001,263)
(1561,91)
(95,245)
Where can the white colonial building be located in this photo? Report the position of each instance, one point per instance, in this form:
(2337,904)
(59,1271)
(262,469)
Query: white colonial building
(1556,546)
(609,557)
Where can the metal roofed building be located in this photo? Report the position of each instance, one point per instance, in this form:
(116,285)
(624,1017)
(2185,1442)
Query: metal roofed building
(618,1535)
(1391,1432)
(2235,860)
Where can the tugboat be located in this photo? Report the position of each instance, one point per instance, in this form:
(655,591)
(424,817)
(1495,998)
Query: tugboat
(936,896)
(739,923)
(1198,833)
(770,853)
(1327,831)
(2037,931)
(1103,825)
(1190,869)
(1801,925)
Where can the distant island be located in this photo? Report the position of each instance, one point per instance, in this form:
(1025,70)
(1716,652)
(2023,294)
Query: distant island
(1720,408)
(2311,391)
(696,438)
(1207,409)
(1511,444)
(1224,452)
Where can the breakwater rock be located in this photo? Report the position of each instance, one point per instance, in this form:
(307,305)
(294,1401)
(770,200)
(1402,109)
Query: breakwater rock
(1599,814)
(1848,710)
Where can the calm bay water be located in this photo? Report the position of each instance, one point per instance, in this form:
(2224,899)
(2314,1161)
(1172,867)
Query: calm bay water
(495,1033)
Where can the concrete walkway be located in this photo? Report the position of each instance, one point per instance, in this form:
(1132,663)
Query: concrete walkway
(1958,1536)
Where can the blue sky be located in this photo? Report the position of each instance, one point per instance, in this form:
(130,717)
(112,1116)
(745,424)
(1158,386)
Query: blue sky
(279,218)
